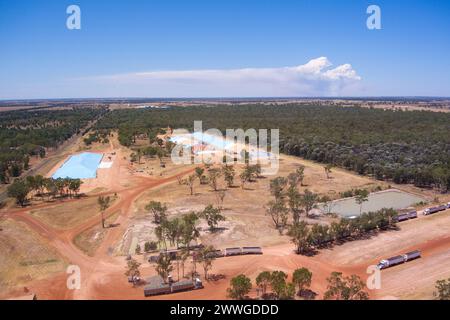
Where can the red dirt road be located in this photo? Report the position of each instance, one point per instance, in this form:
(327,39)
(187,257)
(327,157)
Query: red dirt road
(102,276)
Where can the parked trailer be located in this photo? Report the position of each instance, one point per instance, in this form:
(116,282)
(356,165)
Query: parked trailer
(394,261)
(407,216)
(412,214)
(216,254)
(182,286)
(232,252)
(155,291)
(251,250)
(402,217)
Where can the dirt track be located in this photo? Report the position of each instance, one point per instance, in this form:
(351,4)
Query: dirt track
(62,240)
(102,275)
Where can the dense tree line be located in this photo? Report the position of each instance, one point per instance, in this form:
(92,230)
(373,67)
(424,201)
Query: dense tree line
(42,187)
(101,136)
(402,146)
(30,133)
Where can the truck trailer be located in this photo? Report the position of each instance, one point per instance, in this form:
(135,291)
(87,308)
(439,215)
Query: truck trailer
(232,252)
(407,216)
(394,261)
(158,287)
(412,255)
(402,217)
(412,214)
(156,290)
(251,250)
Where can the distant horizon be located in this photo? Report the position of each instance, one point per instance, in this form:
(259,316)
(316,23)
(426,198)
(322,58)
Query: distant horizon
(180,49)
(234,98)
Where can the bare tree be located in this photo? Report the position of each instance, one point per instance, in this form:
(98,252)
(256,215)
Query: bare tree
(213,176)
(328,168)
(190,181)
(103,203)
(301,174)
(220,196)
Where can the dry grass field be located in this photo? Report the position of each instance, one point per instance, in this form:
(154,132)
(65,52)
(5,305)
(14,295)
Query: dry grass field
(40,240)
(90,240)
(68,215)
(246,220)
(24,256)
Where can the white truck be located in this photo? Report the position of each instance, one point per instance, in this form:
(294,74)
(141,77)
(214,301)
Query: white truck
(387,263)
(432,210)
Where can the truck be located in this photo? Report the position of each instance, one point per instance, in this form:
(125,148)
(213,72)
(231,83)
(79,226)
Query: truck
(387,263)
(432,210)
(394,261)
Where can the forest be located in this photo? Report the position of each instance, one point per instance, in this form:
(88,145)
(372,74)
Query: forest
(24,134)
(401,146)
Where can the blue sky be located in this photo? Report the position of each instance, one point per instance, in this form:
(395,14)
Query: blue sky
(210,48)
